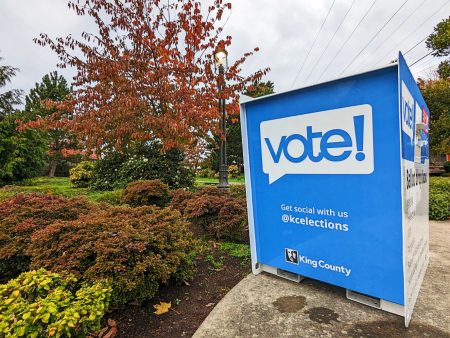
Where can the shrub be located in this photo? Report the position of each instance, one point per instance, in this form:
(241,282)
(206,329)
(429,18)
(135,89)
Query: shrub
(22,215)
(136,249)
(233,170)
(140,193)
(447,167)
(221,215)
(81,174)
(44,304)
(146,162)
(439,198)
(206,173)
(439,206)
(238,190)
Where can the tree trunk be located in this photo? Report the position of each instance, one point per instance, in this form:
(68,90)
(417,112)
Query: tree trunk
(53,165)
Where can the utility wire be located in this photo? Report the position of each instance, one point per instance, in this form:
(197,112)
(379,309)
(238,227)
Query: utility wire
(373,37)
(423,57)
(413,32)
(416,45)
(329,42)
(312,46)
(349,37)
(402,23)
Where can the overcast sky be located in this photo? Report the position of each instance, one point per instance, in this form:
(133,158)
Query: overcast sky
(284,30)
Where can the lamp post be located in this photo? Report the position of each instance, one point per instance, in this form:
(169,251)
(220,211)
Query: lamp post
(221,62)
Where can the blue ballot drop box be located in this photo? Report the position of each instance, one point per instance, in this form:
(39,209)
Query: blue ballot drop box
(337,185)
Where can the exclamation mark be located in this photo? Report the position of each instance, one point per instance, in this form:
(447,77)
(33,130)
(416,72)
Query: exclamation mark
(358,122)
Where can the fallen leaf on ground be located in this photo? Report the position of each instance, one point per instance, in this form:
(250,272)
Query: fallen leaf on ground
(162,308)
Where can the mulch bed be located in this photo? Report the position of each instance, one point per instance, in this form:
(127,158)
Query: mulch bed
(191,303)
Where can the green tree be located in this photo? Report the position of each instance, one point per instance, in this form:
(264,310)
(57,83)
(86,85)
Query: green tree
(53,88)
(437,96)
(439,43)
(22,154)
(234,139)
(11,97)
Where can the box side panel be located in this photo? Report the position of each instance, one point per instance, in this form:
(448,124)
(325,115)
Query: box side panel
(414,120)
(248,190)
(326,183)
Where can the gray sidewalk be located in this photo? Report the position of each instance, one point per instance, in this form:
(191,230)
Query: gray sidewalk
(268,306)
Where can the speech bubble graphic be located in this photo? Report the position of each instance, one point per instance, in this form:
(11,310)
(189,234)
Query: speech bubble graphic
(337,141)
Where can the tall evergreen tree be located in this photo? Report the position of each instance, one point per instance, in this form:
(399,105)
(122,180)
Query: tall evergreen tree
(22,154)
(53,88)
(11,97)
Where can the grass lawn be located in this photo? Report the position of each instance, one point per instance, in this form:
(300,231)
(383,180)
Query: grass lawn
(210,181)
(59,186)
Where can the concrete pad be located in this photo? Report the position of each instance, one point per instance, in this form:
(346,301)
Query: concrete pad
(269,306)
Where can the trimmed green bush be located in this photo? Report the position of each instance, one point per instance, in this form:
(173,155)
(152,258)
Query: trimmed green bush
(150,192)
(44,304)
(447,167)
(81,174)
(439,206)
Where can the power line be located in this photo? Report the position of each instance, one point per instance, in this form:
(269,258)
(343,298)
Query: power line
(413,32)
(349,37)
(329,42)
(423,57)
(403,22)
(312,46)
(416,44)
(370,41)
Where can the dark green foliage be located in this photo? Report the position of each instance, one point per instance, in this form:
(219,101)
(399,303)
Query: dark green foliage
(60,142)
(81,174)
(146,162)
(136,249)
(22,154)
(439,41)
(219,214)
(447,166)
(11,97)
(150,192)
(22,215)
(45,304)
(444,70)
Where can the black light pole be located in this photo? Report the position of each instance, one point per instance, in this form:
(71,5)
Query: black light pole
(221,60)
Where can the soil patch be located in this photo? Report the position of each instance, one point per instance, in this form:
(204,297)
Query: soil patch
(191,303)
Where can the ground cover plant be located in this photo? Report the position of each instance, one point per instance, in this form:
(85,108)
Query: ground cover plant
(44,304)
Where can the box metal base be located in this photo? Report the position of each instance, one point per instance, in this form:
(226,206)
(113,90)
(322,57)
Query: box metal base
(377,303)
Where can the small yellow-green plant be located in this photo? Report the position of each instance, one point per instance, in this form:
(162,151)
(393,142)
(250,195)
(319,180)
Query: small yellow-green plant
(81,174)
(45,304)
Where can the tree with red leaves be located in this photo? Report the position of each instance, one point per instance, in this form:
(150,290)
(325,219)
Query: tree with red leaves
(149,73)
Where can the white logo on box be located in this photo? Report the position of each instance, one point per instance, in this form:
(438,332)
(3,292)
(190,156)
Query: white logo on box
(407,111)
(338,141)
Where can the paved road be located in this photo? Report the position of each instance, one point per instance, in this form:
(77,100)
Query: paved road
(267,306)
